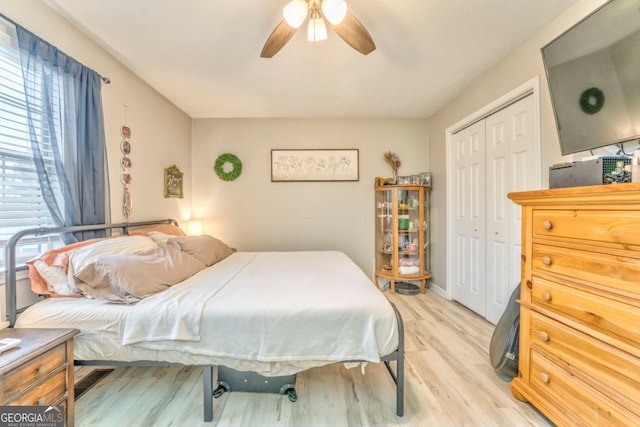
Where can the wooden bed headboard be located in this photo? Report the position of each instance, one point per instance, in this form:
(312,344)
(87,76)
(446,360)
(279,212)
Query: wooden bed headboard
(11,268)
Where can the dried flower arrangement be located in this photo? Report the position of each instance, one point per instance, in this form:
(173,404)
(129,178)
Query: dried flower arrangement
(394,162)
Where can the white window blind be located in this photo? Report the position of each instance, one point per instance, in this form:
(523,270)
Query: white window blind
(21,202)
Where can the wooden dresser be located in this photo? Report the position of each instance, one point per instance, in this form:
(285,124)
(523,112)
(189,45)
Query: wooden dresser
(580,304)
(39,371)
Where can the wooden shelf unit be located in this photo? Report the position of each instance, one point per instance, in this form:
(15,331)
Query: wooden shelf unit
(402,234)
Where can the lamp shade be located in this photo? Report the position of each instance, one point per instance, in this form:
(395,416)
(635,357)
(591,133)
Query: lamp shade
(295,12)
(317,30)
(334,10)
(194,228)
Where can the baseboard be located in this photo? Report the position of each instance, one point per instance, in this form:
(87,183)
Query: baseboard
(438,290)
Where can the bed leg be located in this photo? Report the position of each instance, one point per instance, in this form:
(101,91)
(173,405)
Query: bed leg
(400,384)
(207,374)
(399,377)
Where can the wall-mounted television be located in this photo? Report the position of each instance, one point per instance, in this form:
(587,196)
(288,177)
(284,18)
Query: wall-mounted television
(593,72)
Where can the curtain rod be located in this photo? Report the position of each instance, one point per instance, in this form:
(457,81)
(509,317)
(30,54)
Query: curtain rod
(105,80)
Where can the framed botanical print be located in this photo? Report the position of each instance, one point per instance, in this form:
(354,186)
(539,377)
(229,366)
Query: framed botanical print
(173,182)
(314,165)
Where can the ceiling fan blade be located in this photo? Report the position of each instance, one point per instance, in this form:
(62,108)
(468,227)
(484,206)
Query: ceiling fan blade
(355,34)
(278,38)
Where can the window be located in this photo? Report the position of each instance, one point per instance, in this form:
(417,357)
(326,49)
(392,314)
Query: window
(21,202)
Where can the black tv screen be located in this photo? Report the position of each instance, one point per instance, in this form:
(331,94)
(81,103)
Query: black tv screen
(593,72)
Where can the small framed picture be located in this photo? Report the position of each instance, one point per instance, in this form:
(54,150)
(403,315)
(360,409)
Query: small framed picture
(125,162)
(173,182)
(126,132)
(125,147)
(425,178)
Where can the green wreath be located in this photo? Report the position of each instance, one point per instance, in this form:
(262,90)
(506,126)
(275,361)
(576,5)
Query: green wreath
(592,100)
(235,170)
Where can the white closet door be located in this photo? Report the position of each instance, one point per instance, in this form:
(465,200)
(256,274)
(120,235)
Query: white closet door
(494,157)
(469,241)
(498,239)
(511,166)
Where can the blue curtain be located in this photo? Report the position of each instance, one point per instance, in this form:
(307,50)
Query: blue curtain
(65,120)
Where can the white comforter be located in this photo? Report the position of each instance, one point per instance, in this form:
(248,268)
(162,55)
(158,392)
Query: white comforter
(275,313)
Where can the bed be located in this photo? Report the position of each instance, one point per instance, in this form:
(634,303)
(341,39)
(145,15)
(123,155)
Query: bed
(249,311)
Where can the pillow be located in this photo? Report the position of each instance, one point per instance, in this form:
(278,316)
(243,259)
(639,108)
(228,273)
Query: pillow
(86,255)
(160,238)
(46,269)
(130,277)
(207,249)
(55,276)
(174,230)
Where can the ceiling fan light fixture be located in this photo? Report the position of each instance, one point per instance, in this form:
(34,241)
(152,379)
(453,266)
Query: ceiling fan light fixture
(295,12)
(334,10)
(317,30)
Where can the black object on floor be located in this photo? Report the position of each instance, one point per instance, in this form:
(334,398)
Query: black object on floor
(89,381)
(503,349)
(406,288)
(232,380)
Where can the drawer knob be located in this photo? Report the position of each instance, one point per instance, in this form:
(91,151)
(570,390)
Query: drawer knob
(40,369)
(544,337)
(546,261)
(546,296)
(547,225)
(42,400)
(544,377)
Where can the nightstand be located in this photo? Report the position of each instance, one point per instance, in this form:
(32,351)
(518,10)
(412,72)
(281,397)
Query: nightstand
(39,371)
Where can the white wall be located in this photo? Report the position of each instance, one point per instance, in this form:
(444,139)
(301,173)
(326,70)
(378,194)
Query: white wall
(518,67)
(252,213)
(161,133)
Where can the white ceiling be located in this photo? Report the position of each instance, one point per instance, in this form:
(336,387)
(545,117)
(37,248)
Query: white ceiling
(204,55)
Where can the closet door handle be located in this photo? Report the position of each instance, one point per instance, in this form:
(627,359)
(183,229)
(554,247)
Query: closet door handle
(547,225)
(546,261)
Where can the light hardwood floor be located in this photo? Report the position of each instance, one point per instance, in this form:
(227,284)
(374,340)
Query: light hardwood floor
(449,382)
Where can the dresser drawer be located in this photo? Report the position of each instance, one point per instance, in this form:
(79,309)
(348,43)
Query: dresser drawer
(609,317)
(46,393)
(39,367)
(612,273)
(575,402)
(601,365)
(618,228)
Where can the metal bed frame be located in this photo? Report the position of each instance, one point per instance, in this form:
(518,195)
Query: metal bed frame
(13,310)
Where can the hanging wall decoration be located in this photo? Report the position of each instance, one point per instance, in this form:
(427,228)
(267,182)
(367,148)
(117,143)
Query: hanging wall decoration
(173,182)
(125,163)
(228,167)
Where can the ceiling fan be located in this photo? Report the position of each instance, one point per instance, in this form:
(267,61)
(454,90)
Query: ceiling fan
(334,11)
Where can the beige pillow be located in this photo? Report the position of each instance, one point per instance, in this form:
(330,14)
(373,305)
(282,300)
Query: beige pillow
(131,277)
(207,249)
(86,255)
